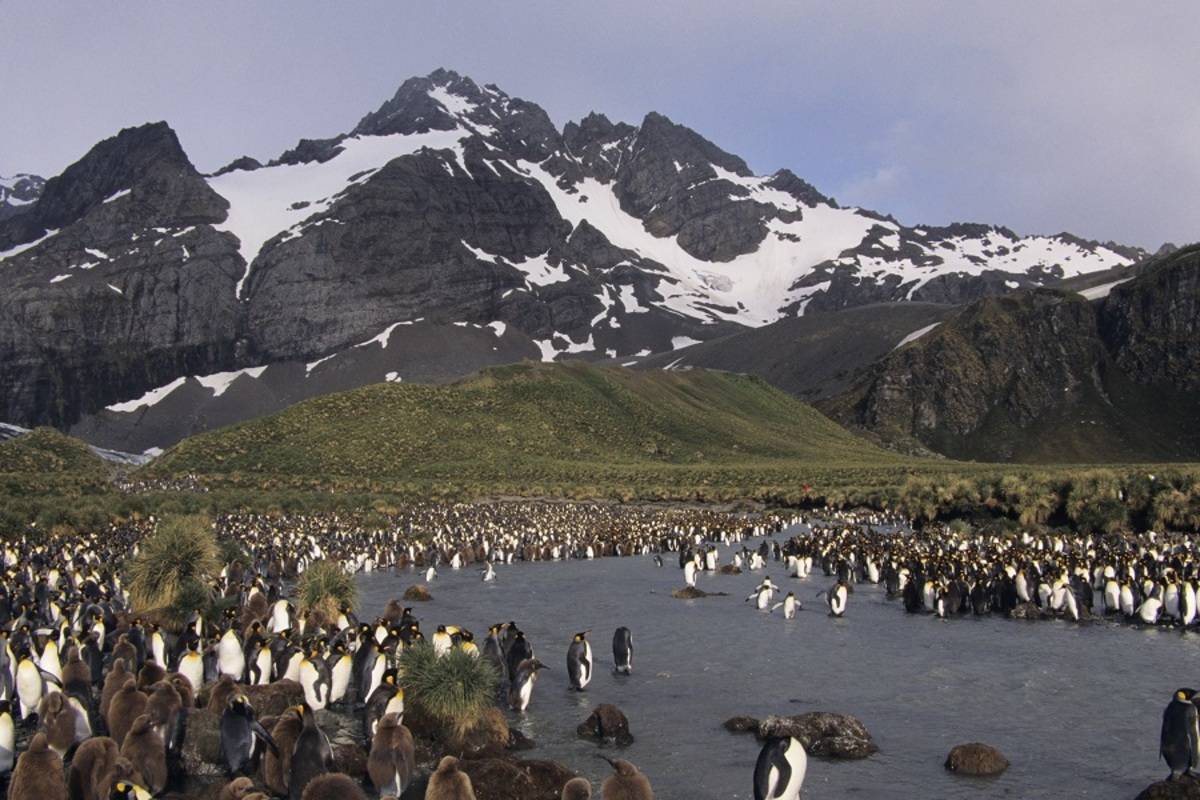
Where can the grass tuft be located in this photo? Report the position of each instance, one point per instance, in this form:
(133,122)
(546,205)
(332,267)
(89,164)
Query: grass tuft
(326,587)
(455,691)
(175,564)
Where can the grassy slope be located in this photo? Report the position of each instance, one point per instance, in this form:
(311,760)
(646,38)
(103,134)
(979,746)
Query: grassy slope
(44,451)
(547,423)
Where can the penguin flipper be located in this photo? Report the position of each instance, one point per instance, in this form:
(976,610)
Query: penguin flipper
(261,732)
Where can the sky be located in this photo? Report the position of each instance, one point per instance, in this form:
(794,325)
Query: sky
(1077,116)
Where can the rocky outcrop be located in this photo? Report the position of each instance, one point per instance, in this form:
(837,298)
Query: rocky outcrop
(1183,788)
(516,779)
(606,723)
(822,733)
(976,759)
(18,193)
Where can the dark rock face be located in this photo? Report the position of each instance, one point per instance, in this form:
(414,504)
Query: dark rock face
(976,759)
(18,193)
(126,273)
(823,734)
(1048,375)
(1185,788)
(606,722)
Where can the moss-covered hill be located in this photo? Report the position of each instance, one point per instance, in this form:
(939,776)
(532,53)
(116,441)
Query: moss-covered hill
(530,420)
(46,451)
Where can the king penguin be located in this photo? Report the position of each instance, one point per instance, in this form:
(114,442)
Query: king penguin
(579,662)
(623,651)
(779,771)
(1179,744)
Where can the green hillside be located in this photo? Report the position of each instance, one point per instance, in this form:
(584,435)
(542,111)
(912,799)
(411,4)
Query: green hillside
(535,422)
(46,451)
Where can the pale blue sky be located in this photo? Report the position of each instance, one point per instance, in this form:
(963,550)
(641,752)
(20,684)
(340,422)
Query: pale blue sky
(1080,116)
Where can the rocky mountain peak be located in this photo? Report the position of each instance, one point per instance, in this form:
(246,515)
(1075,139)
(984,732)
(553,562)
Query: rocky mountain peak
(18,193)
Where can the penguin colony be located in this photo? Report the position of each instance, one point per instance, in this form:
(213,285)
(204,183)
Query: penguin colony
(94,699)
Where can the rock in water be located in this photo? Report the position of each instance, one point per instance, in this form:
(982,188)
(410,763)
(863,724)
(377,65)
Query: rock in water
(688,593)
(606,722)
(976,758)
(822,733)
(419,592)
(741,725)
(1185,788)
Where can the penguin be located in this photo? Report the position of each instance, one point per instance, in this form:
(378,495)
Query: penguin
(441,641)
(388,698)
(191,664)
(147,753)
(311,756)
(836,597)
(493,651)
(30,684)
(38,774)
(126,706)
(340,672)
(519,649)
(258,671)
(579,662)
(1179,742)
(242,737)
(125,790)
(314,678)
(219,695)
(277,765)
(577,789)
(449,783)
(626,783)
(240,789)
(779,771)
(150,674)
(392,762)
(489,573)
(231,659)
(65,724)
(76,675)
(333,786)
(623,651)
(8,739)
(520,690)
(789,604)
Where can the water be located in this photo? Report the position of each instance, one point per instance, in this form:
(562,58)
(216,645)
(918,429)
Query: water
(1075,708)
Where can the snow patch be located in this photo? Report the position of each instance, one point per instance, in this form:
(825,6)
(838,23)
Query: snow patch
(1103,290)
(21,248)
(150,398)
(59,278)
(917,334)
(498,328)
(115,289)
(116,196)
(220,381)
(546,346)
(680,342)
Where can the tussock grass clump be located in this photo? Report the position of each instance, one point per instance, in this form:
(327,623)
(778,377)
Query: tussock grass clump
(326,587)
(177,562)
(455,691)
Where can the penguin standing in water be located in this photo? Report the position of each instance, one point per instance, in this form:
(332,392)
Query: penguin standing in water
(242,737)
(623,651)
(493,651)
(1179,744)
(789,604)
(520,688)
(836,598)
(779,771)
(579,662)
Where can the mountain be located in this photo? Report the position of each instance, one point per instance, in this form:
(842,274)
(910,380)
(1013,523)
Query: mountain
(18,193)
(134,277)
(1049,376)
(530,422)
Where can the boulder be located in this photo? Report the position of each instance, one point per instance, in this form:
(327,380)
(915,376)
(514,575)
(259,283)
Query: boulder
(741,725)
(1184,788)
(729,569)
(823,733)
(202,745)
(607,722)
(350,759)
(274,698)
(418,592)
(516,779)
(1026,611)
(976,758)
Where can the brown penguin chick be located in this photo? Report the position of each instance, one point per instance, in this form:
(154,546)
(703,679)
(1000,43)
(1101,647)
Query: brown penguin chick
(112,684)
(76,675)
(125,650)
(150,674)
(334,786)
(239,789)
(146,752)
(392,762)
(627,783)
(126,706)
(122,771)
(393,612)
(92,760)
(38,774)
(163,708)
(187,692)
(277,766)
(255,610)
(577,789)
(225,688)
(58,720)
(448,783)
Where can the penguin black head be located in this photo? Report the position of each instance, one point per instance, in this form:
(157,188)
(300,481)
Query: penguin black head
(128,791)
(389,676)
(579,637)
